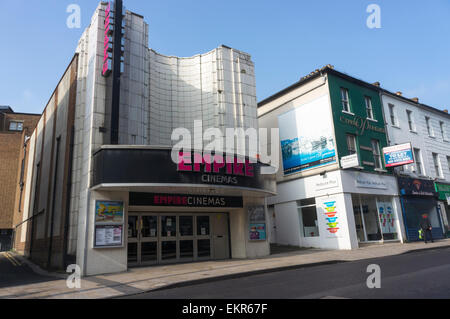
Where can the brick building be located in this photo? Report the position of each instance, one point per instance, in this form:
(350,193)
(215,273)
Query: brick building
(14,129)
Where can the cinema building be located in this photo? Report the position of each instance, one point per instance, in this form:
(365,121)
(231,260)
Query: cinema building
(102,190)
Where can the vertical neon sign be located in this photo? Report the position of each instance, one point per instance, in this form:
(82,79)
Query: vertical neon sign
(107,61)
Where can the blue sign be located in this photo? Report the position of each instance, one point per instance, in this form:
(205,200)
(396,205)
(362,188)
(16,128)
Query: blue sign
(398,155)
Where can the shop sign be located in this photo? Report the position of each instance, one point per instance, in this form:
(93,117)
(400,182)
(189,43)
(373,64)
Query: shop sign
(109,224)
(326,183)
(369,181)
(183,200)
(107,43)
(257,223)
(398,155)
(361,124)
(350,161)
(443,190)
(419,187)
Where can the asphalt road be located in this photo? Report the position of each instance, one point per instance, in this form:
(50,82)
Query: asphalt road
(14,273)
(423,274)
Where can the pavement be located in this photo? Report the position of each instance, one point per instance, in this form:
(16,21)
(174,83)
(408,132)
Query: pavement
(419,274)
(142,280)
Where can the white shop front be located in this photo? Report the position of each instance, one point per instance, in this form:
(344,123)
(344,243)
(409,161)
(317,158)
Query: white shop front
(337,210)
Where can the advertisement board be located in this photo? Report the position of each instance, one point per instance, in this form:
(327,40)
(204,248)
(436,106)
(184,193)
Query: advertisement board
(398,155)
(108,235)
(257,223)
(306,136)
(108,212)
(109,224)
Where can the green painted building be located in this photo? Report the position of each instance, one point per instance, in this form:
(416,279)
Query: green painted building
(358,120)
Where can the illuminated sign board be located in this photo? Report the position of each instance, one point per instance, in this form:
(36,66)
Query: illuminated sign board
(107,43)
(398,155)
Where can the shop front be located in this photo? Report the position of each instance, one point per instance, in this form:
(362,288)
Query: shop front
(443,191)
(338,210)
(150,210)
(418,197)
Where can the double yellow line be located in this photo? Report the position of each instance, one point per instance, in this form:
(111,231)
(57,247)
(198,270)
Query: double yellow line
(13,260)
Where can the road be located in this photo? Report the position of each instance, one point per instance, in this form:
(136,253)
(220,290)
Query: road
(14,273)
(423,274)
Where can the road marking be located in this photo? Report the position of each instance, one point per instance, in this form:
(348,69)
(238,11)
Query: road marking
(12,260)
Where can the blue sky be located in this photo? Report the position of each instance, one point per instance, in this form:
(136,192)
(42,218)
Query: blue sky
(287,40)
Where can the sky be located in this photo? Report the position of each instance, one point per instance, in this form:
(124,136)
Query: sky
(286,39)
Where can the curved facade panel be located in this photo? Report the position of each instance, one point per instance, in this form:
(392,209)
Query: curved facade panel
(217,88)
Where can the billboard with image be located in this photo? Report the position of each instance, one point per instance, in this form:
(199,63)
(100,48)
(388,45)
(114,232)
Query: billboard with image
(306,135)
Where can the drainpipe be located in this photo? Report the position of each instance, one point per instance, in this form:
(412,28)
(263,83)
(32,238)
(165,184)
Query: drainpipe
(52,216)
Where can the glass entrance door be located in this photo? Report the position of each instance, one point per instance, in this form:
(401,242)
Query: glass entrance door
(167,238)
(142,239)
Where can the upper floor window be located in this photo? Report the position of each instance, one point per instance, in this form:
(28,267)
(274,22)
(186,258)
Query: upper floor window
(442,127)
(376,154)
(393,120)
(345,100)
(437,165)
(351,144)
(418,160)
(16,126)
(411,125)
(448,162)
(369,108)
(429,128)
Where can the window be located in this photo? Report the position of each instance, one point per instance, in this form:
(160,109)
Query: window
(351,144)
(418,159)
(16,126)
(442,126)
(345,100)
(410,121)
(437,165)
(369,109)
(429,129)
(448,162)
(376,154)
(308,215)
(392,115)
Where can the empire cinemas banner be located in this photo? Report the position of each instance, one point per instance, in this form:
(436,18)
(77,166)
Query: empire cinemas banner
(155,167)
(182,200)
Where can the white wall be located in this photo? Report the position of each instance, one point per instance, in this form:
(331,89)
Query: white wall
(400,133)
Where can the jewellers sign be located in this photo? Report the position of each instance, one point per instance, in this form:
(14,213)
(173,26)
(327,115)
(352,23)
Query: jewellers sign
(398,155)
(362,124)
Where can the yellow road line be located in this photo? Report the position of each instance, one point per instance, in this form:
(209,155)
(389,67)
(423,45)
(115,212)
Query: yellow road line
(12,259)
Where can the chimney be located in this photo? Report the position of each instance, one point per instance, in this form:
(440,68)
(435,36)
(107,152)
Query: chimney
(415,99)
(376,84)
(399,93)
